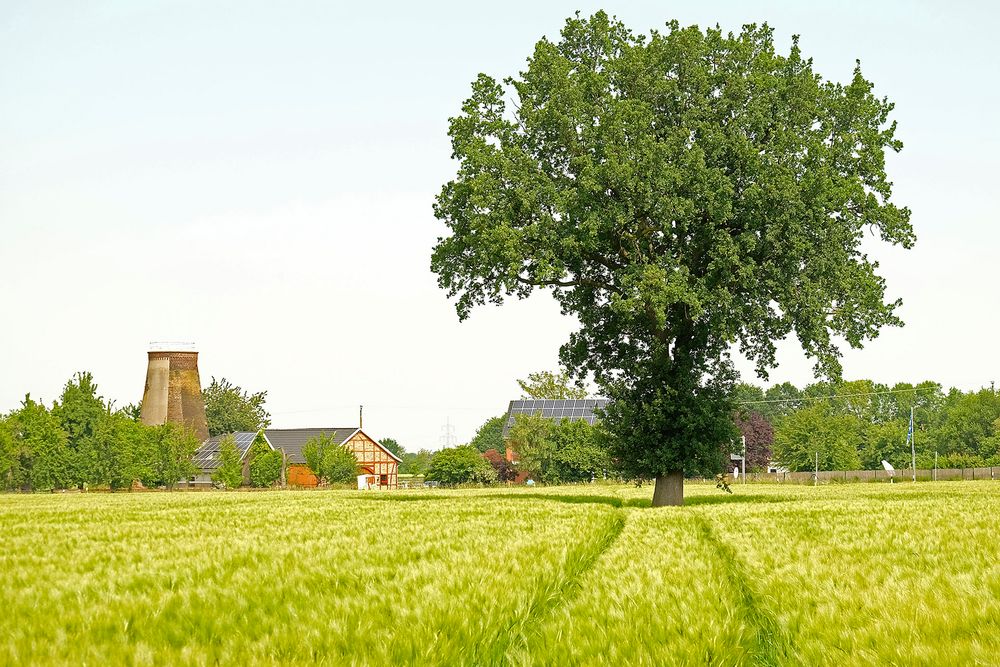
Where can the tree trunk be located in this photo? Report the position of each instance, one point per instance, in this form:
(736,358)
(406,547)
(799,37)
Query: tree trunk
(669,489)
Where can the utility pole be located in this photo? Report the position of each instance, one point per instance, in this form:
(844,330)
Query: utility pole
(816,476)
(743,463)
(913,447)
(361,416)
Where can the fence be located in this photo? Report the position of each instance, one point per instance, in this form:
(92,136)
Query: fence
(807,477)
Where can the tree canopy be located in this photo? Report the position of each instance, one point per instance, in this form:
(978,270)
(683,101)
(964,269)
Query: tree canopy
(229,409)
(546,384)
(330,461)
(393,446)
(230,471)
(682,194)
(490,435)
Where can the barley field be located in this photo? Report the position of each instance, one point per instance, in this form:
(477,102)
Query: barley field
(854,574)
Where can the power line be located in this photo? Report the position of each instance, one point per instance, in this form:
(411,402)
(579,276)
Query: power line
(823,398)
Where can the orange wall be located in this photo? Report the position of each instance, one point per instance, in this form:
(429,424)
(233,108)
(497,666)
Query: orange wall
(300,475)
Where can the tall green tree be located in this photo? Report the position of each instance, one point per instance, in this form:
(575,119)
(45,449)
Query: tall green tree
(546,384)
(393,446)
(11,473)
(45,459)
(228,408)
(490,435)
(80,411)
(817,433)
(966,421)
(331,462)
(230,471)
(173,452)
(530,438)
(680,193)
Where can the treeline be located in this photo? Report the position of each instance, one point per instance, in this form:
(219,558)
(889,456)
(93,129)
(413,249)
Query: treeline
(547,451)
(83,441)
(858,424)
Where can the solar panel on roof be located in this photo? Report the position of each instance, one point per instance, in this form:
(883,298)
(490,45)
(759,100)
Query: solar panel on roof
(572,409)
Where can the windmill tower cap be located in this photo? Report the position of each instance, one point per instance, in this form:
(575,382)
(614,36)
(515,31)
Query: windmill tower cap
(171,346)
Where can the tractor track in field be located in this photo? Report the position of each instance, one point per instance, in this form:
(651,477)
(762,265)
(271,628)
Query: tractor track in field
(509,645)
(771,644)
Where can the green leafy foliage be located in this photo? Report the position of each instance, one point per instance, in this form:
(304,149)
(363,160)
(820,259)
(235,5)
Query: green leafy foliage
(393,446)
(340,466)
(490,435)
(559,451)
(11,470)
(461,465)
(816,431)
(229,409)
(680,194)
(174,450)
(230,471)
(870,421)
(546,384)
(265,463)
(80,412)
(45,460)
(416,463)
(331,462)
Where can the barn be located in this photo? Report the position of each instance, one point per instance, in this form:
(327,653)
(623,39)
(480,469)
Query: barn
(378,464)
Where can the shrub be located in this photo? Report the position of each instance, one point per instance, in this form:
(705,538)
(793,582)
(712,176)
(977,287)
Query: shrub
(461,465)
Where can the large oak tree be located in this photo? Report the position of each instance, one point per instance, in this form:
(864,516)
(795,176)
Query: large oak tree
(683,194)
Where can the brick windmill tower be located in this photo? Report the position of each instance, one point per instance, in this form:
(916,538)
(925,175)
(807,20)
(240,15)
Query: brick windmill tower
(173,388)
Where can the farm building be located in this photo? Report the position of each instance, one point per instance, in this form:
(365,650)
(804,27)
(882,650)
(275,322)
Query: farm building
(206,459)
(376,461)
(378,464)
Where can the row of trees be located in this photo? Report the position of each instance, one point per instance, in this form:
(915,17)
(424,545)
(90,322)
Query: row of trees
(83,440)
(855,425)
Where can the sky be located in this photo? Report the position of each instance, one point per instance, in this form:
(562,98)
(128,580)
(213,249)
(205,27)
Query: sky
(257,178)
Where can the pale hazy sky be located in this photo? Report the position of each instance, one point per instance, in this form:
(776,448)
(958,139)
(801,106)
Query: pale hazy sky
(257,177)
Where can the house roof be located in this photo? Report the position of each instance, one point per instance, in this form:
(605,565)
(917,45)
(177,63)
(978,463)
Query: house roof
(207,455)
(572,409)
(291,440)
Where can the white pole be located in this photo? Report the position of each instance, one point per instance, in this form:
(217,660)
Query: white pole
(913,446)
(816,476)
(743,463)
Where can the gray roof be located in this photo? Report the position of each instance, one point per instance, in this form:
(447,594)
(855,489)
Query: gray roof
(207,455)
(291,440)
(556,410)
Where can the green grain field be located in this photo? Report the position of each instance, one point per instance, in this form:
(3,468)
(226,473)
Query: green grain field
(855,574)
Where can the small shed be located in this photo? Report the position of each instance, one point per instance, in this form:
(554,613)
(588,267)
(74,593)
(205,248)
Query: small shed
(374,460)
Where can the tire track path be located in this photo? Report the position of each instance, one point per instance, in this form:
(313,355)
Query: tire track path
(771,644)
(510,644)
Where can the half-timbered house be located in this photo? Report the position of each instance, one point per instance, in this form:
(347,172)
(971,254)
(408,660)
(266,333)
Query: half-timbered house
(378,465)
